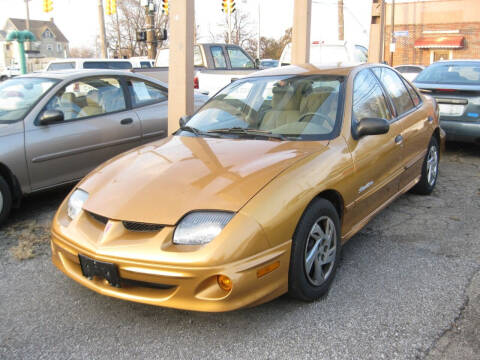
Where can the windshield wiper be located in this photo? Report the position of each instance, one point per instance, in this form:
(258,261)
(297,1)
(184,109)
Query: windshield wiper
(196,131)
(249,132)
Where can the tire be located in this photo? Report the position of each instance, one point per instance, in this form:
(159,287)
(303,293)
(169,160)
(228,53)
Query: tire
(313,284)
(5,200)
(429,176)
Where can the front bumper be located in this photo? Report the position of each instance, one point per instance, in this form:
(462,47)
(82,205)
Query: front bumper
(180,285)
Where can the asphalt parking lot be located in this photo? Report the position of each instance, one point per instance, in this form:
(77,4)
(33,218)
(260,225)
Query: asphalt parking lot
(408,287)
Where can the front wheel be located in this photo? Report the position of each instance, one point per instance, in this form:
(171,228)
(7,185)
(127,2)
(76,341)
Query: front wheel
(5,200)
(315,252)
(429,175)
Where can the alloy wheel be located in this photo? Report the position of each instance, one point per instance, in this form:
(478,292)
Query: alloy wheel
(320,251)
(432,165)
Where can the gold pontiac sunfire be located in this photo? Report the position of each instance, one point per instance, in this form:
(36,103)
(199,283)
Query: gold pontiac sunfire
(255,194)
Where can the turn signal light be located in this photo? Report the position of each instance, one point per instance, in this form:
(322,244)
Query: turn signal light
(224,282)
(267,269)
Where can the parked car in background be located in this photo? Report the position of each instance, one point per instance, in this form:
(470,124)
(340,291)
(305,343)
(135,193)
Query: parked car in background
(216,65)
(55,127)
(249,199)
(455,85)
(268,63)
(323,52)
(410,72)
(112,64)
(9,72)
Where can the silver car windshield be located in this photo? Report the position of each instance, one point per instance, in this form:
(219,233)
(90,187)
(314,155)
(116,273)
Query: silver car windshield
(19,95)
(297,107)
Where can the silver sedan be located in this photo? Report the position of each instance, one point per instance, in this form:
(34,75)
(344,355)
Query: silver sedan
(55,127)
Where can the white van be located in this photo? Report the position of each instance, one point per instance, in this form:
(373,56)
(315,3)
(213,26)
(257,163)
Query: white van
(322,52)
(114,64)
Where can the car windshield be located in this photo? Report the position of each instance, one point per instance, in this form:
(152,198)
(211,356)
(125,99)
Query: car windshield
(293,107)
(467,73)
(18,95)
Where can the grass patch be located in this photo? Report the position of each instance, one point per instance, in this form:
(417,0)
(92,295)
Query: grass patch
(31,236)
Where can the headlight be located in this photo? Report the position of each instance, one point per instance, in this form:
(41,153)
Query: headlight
(75,203)
(201,227)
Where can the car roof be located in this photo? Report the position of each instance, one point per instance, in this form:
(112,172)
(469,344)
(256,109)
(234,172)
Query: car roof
(76,74)
(342,69)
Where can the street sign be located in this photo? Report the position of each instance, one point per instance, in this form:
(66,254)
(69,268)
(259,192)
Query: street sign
(403,33)
(392,47)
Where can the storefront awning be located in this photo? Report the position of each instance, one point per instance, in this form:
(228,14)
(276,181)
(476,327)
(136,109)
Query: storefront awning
(441,42)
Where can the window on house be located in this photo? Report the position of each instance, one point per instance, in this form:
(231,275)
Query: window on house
(49,47)
(47,34)
(59,47)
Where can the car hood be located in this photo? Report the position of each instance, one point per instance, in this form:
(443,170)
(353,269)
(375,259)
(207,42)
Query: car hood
(162,181)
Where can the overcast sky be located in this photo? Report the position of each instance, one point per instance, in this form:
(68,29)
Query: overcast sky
(78,19)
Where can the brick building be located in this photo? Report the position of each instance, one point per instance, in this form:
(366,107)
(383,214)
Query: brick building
(428,31)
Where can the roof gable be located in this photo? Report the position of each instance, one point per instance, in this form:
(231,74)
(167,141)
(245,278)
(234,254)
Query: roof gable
(38,27)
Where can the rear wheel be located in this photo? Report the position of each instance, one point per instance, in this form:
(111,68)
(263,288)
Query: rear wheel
(315,251)
(5,200)
(429,176)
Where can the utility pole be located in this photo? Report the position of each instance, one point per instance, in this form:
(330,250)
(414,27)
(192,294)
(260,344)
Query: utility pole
(27,23)
(258,36)
(150,28)
(392,43)
(377,28)
(119,54)
(103,38)
(341,28)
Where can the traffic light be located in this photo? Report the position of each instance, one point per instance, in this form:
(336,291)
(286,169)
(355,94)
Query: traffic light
(47,5)
(111,7)
(165,7)
(228,6)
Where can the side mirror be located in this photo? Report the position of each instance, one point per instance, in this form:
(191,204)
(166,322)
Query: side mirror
(50,117)
(257,63)
(371,126)
(183,120)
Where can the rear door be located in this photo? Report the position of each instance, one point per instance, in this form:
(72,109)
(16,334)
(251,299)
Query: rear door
(98,125)
(415,122)
(150,103)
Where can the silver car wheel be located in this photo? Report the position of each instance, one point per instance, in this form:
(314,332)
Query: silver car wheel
(320,251)
(432,165)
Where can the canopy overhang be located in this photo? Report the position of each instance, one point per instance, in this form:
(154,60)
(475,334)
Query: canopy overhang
(440,42)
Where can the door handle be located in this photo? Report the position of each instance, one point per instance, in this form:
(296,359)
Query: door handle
(399,139)
(126,121)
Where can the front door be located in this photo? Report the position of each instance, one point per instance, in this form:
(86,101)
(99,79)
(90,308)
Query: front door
(97,126)
(376,157)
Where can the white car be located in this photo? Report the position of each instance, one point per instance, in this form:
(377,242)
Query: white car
(111,64)
(410,72)
(322,52)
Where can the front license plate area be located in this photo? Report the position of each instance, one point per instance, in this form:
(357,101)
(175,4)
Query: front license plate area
(101,269)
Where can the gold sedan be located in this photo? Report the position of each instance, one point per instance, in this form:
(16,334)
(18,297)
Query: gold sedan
(255,194)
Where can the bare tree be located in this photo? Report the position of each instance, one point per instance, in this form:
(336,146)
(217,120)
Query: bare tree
(122,28)
(82,52)
(241,29)
(269,48)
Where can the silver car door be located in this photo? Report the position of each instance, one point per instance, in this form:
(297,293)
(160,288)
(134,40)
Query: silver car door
(150,102)
(98,124)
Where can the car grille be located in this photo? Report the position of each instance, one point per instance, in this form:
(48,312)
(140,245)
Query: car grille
(99,218)
(142,227)
(129,225)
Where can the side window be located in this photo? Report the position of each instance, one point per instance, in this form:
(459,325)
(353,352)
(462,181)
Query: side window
(88,97)
(360,54)
(238,59)
(145,64)
(218,57)
(368,98)
(145,93)
(396,89)
(413,94)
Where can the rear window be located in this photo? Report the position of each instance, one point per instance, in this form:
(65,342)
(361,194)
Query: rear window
(409,69)
(61,66)
(115,65)
(467,73)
